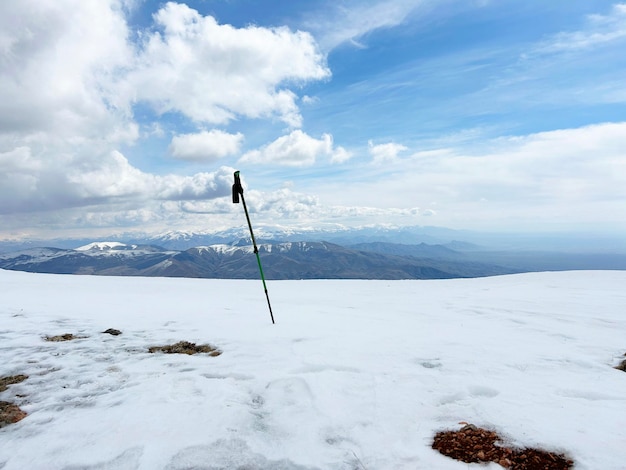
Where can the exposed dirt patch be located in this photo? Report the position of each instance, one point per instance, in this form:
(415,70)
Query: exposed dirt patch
(10,380)
(472,445)
(112,331)
(10,413)
(185,347)
(63,337)
(622,365)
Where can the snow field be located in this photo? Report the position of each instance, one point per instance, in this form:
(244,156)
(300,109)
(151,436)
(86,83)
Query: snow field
(355,374)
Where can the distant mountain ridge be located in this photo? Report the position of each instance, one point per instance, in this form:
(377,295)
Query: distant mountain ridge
(457,240)
(327,253)
(287,260)
(181,240)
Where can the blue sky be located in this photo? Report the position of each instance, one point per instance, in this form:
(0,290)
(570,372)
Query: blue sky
(130,116)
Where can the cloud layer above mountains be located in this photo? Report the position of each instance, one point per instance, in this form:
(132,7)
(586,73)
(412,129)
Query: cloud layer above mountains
(126,115)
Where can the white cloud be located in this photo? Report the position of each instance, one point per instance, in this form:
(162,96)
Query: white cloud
(70,68)
(600,29)
(297,149)
(196,187)
(520,182)
(349,21)
(29,184)
(213,73)
(70,76)
(566,166)
(309,100)
(59,63)
(385,153)
(567,70)
(206,145)
(568,176)
(340,155)
(114,178)
(285,204)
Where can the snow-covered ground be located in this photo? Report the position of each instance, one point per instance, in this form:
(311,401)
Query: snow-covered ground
(354,375)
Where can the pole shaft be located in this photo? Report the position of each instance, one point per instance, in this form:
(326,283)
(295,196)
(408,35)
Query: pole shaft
(256,252)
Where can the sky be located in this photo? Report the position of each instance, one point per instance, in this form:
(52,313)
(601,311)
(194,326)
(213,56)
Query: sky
(130,116)
(354,374)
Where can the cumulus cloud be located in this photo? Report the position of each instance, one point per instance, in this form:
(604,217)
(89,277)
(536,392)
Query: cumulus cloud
(196,187)
(75,71)
(286,204)
(382,153)
(340,155)
(72,75)
(297,149)
(213,73)
(29,184)
(59,69)
(115,178)
(60,62)
(206,145)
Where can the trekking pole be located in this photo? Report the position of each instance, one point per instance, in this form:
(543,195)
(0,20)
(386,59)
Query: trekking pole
(237,193)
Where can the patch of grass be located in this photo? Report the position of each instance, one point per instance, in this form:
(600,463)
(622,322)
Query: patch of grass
(10,380)
(472,444)
(10,413)
(63,337)
(185,347)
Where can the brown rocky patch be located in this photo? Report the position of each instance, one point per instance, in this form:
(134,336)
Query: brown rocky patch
(472,444)
(185,347)
(10,413)
(10,380)
(63,337)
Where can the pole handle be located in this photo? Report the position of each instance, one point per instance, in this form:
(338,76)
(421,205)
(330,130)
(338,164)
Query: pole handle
(237,188)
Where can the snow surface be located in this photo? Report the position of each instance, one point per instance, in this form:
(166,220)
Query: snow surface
(354,375)
(225,249)
(285,247)
(101,246)
(40,254)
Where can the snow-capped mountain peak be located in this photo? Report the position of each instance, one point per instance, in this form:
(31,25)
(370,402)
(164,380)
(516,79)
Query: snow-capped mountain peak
(104,246)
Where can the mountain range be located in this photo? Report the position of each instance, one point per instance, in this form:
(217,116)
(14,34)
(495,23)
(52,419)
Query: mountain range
(288,260)
(299,260)
(459,240)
